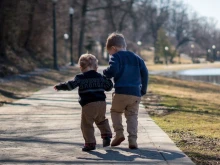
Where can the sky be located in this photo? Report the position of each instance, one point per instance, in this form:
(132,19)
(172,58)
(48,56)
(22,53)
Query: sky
(207,8)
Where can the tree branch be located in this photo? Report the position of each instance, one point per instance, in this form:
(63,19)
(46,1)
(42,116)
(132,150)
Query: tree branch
(101,8)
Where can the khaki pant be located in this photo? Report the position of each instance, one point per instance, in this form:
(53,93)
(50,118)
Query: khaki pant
(128,105)
(94,112)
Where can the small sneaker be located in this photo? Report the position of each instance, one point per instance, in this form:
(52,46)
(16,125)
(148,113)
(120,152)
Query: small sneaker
(117,141)
(87,148)
(106,142)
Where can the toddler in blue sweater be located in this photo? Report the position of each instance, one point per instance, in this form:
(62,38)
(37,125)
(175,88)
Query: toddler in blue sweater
(130,76)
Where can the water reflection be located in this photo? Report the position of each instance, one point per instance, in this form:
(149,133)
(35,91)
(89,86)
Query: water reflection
(205,78)
(211,75)
(201,72)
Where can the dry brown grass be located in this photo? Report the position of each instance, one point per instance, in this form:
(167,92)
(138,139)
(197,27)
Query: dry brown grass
(148,56)
(23,87)
(184,89)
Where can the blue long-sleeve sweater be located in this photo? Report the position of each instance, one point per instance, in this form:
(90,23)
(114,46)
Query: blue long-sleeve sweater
(129,72)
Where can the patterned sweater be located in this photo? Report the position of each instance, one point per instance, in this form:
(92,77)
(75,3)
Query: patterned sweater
(92,86)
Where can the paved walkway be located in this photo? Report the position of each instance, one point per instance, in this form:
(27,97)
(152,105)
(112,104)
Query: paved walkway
(45,129)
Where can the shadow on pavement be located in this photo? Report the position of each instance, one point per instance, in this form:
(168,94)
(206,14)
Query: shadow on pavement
(115,155)
(60,100)
(17,104)
(9,94)
(32,161)
(36,140)
(143,153)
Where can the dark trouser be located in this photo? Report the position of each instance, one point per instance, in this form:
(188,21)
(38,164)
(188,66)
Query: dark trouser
(94,112)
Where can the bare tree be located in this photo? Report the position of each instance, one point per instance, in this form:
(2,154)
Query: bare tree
(178,26)
(30,23)
(203,31)
(82,26)
(156,16)
(2,29)
(27,31)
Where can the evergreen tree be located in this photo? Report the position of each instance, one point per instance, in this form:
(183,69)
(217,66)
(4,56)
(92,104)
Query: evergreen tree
(162,42)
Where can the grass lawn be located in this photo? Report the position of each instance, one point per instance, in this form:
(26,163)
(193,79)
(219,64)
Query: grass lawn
(191,116)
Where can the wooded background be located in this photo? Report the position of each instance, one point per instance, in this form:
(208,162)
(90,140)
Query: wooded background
(26,31)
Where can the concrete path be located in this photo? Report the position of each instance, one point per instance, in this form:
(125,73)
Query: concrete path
(45,129)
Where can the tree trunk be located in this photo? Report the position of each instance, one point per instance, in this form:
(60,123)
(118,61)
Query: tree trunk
(102,49)
(2,38)
(82,27)
(110,16)
(30,24)
(156,57)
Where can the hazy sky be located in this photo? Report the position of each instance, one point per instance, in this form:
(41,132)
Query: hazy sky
(208,8)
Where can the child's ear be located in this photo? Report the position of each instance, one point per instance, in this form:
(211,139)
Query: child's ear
(113,47)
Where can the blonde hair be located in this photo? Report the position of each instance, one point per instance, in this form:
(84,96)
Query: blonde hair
(88,60)
(115,39)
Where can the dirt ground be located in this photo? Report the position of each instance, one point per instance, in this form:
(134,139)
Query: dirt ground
(18,87)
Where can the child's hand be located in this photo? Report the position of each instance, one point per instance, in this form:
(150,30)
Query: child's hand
(55,88)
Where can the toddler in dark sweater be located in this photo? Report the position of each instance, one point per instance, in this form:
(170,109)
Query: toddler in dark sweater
(91,87)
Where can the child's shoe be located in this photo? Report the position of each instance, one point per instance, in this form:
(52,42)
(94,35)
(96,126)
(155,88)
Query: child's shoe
(117,140)
(132,144)
(106,141)
(88,147)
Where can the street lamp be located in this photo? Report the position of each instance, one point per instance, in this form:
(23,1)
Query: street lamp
(71,11)
(54,36)
(218,53)
(166,51)
(66,37)
(208,54)
(214,53)
(192,53)
(139,43)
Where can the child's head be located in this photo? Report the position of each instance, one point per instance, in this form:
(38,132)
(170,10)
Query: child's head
(115,42)
(88,62)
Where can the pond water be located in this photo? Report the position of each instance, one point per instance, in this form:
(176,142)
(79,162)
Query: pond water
(211,75)
(201,72)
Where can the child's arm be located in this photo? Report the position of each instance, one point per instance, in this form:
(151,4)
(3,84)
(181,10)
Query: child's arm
(113,68)
(69,85)
(144,78)
(108,85)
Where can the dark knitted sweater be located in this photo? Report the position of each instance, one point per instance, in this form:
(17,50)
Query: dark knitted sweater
(92,86)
